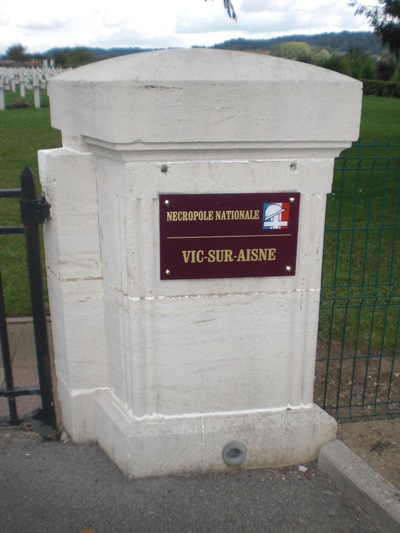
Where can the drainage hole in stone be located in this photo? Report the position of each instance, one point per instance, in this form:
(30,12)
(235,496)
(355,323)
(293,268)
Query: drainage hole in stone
(235,452)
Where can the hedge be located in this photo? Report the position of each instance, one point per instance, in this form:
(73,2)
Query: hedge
(381,88)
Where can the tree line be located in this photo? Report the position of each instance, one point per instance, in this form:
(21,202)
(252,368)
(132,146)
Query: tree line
(334,41)
(355,62)
(64,58)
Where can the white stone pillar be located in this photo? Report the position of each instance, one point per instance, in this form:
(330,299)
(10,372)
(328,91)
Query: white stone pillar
(164,373)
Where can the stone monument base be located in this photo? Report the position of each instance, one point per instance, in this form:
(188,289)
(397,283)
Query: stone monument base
(161,445)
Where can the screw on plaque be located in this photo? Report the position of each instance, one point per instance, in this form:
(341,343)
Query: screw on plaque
(292,200)
(167,272)
(288,268)
(167,203)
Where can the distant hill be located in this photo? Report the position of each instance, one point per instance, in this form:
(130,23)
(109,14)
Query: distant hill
(343,42)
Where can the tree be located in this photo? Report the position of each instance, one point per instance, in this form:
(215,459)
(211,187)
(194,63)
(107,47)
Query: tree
(385,21)
(361,65)
(229,8)
(73,57)
(80,55)
(16,52)
(298,51)
(386,68)
(60,59)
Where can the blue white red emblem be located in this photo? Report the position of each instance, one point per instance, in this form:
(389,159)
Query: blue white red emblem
(276,215)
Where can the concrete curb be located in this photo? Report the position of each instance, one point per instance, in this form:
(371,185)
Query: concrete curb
(368,489)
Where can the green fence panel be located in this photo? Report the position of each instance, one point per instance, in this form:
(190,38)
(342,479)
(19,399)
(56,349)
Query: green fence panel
(358,358)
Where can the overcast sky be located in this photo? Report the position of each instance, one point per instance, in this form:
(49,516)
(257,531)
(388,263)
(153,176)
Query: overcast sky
(43,24)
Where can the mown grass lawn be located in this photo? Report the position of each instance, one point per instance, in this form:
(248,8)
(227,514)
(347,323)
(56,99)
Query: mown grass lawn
(361,274)
(380,119)
(24,131)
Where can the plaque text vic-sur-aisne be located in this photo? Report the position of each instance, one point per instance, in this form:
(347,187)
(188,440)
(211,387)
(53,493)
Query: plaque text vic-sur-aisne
(228,235)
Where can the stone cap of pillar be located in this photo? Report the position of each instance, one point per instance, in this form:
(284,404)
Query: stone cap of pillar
(177,99)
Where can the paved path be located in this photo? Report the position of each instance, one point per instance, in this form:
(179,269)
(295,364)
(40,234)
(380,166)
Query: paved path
(22,353)
(49,487)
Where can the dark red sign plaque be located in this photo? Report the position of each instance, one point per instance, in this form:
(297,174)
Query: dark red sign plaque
(228,235)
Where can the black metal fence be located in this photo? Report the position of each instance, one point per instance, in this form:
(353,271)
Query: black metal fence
(358,360)
(34,211)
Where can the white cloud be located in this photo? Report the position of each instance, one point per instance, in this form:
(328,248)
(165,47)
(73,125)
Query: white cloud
(254,6)
(42,25)
(258,6)
(45,24)
(326,16)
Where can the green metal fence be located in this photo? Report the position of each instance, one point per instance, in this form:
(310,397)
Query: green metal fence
(358,359)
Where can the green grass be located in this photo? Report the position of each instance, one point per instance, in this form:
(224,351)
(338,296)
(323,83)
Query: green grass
(24,131)
(380,119)
(361,275)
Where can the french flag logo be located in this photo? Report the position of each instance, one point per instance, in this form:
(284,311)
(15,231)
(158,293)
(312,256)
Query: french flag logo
(276,215)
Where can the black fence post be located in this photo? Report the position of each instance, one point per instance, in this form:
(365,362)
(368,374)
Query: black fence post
(5,348)
(33,212)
